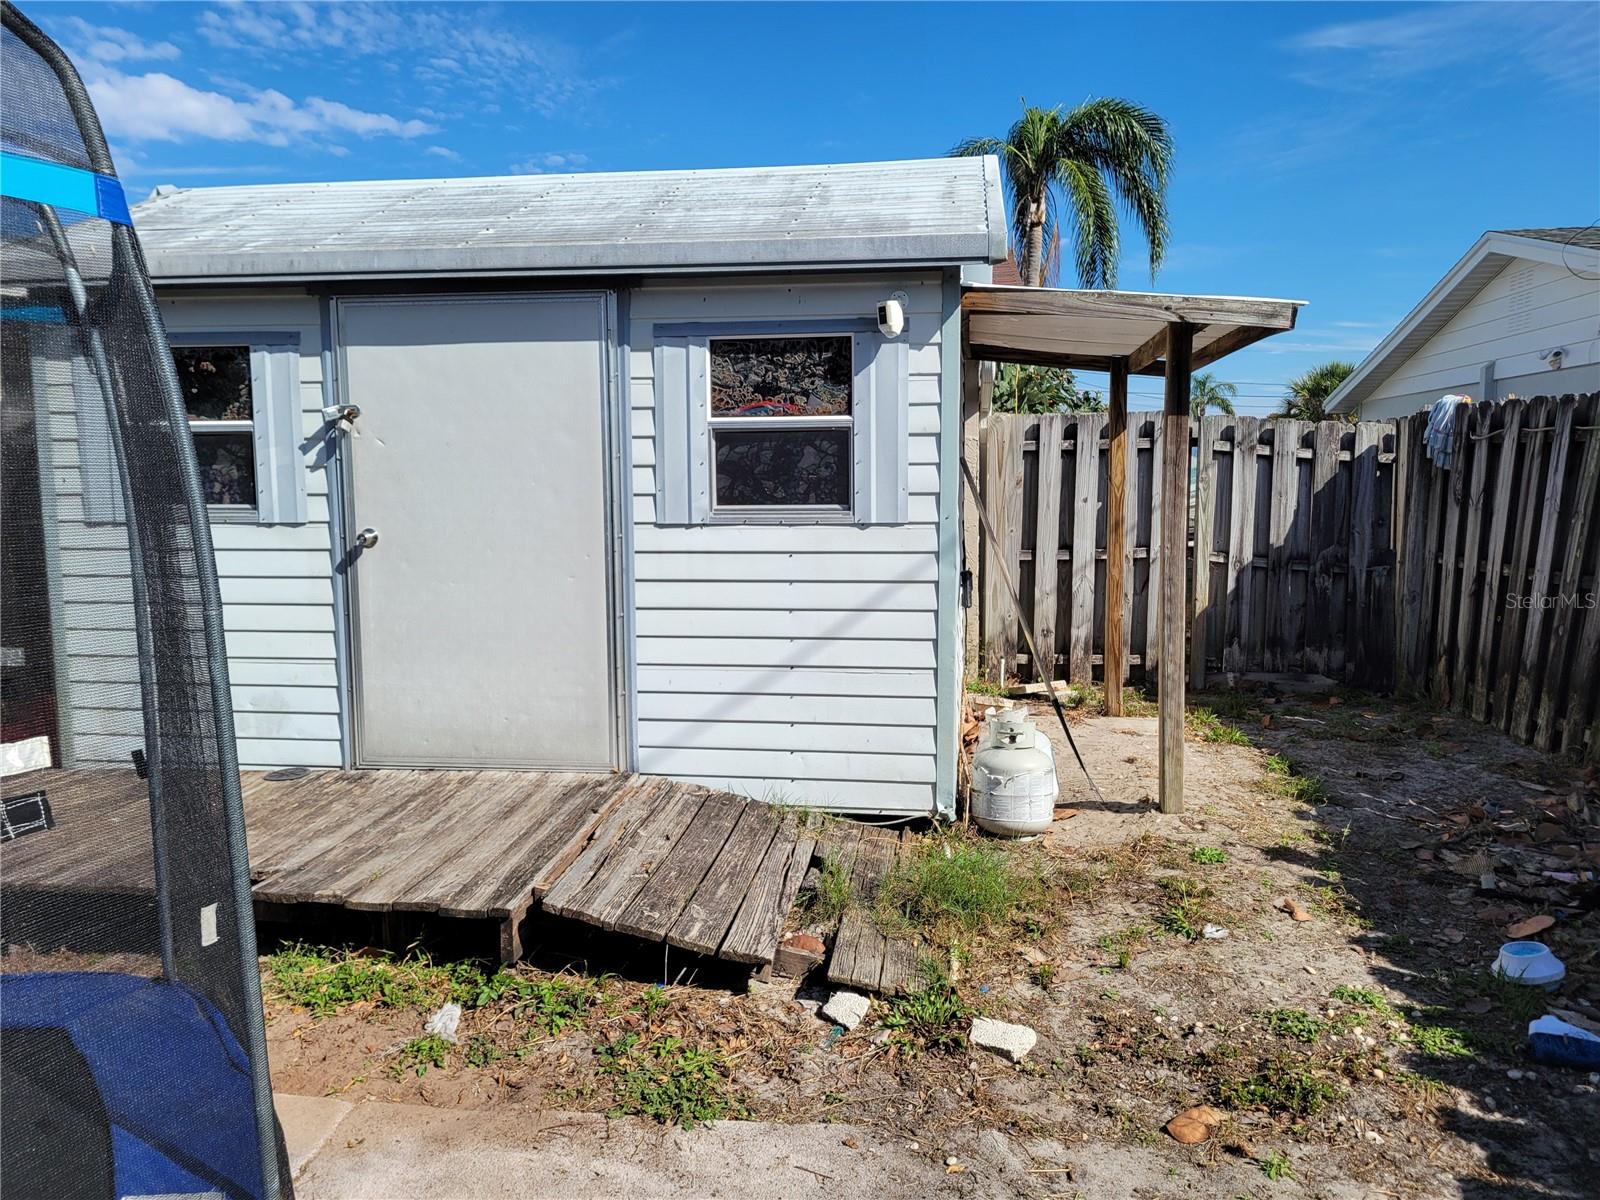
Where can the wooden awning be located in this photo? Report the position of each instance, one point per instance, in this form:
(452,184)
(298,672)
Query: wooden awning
(1059,327)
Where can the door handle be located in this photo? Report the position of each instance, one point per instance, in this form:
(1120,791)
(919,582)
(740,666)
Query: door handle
(367,538)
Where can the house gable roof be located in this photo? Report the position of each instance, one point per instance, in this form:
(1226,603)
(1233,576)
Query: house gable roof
(1576,247)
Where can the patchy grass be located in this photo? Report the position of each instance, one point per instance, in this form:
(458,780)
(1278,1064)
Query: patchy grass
(1183,911)
(1204,723)
(1286,1084)
(420,1053)
(829,897)
(326,981)
(1283,780)
(970,885)
(930,1018)
(985,687)
(481,1051)
(1440,1041)
(1366,998)
(560,1002)
(1208,856)
(1275,1165)
(667,1080)
(1124,944)
(1294,1023)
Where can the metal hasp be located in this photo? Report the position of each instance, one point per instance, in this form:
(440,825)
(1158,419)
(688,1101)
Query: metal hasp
(1128,333)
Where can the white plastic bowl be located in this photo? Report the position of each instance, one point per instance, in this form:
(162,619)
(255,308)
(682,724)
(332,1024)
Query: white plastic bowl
(1530,963)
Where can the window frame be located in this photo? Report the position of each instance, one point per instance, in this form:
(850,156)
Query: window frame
(274,423)
(788,513)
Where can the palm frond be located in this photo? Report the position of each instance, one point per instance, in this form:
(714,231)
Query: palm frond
(1093,222)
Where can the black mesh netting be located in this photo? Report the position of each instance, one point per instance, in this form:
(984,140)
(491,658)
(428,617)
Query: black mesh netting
(132,1057)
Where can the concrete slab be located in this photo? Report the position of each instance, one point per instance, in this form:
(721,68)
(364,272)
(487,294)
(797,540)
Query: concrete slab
(308,1122)
(400,1151)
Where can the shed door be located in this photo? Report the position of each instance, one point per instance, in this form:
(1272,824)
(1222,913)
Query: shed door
(481,617)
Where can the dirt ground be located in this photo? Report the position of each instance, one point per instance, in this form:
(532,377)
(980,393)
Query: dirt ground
(1362,1051)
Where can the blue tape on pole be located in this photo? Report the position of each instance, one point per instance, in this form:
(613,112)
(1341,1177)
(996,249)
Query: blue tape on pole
(23,178)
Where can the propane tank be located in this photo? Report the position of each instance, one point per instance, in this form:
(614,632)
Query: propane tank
(1014,786)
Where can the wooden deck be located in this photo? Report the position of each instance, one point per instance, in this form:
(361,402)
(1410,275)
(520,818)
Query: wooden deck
(705,871)
(861,955)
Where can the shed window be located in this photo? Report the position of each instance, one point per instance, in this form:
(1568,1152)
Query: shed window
(781,414)
(216,386)
(780,422)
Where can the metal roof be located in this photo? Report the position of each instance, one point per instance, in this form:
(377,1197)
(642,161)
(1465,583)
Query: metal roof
(1063,327)
(1572,247)
(922,211)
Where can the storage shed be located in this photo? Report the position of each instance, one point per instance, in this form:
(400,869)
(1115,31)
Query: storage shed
(653,472)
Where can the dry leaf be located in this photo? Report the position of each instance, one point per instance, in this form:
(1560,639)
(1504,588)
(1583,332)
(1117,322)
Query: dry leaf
(1194,1125)
(1531,926)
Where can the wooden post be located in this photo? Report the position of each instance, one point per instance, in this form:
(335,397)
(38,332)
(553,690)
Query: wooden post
(1116,667)
(1174,551)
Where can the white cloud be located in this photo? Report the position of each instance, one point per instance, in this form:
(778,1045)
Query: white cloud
(540,164)
(158,107)
(443,152)
(455,48)
(107,44)
(1560,42)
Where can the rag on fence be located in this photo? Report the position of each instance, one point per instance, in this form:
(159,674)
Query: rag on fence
(1439,438)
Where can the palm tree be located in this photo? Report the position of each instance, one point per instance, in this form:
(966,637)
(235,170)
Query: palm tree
(1207,391)
(1306,395)
(1067,166)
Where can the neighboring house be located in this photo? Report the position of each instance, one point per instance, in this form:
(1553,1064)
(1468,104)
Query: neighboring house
(637,481)
(1518,315)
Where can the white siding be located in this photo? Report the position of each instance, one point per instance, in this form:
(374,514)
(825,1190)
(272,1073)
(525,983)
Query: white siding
(277,589)
(1526,308)
(792,663)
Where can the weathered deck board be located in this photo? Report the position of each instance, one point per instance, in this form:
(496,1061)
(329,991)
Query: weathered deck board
(710,911)
(706,870)
(759,923)
(661,901)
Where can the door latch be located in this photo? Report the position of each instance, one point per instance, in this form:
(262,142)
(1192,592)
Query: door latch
(367,538)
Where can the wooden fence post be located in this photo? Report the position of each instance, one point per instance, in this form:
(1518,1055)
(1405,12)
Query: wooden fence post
(1174,473)
(1115,661)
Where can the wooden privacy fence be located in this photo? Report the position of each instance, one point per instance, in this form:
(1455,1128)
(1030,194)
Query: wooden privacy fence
(1297,569)
(1499,597)
(1327,547)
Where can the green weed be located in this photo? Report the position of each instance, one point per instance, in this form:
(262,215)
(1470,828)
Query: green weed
(326,981)
(651,1001)
(1366,998)
(971,884)
(1184,910)
(667,1080)
(1124,944)
(1284,1084)
(1440,1041)
(1208,856)
(556,1004)
(1275,1165)
(829,898)
(480,1051)
(985,687)
(1206,725)
(929,1018)
(1295,1023)
(420,1053)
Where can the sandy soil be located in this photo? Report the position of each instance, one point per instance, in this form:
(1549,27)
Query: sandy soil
(1387,853)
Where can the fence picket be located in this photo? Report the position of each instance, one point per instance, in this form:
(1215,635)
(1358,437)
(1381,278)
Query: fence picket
(1568,614)
(1047,543)
(1535,428)
(1205,520)
(1531,679)
(1085,506)
(1236,653)
(1470,588)
(1506,440)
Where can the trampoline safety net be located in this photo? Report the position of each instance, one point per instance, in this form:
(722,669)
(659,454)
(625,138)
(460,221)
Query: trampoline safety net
(132,1055)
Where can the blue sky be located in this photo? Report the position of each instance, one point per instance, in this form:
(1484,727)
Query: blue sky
(1342,154)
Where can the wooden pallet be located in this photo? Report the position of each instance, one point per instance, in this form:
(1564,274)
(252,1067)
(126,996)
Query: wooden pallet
(706,871)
